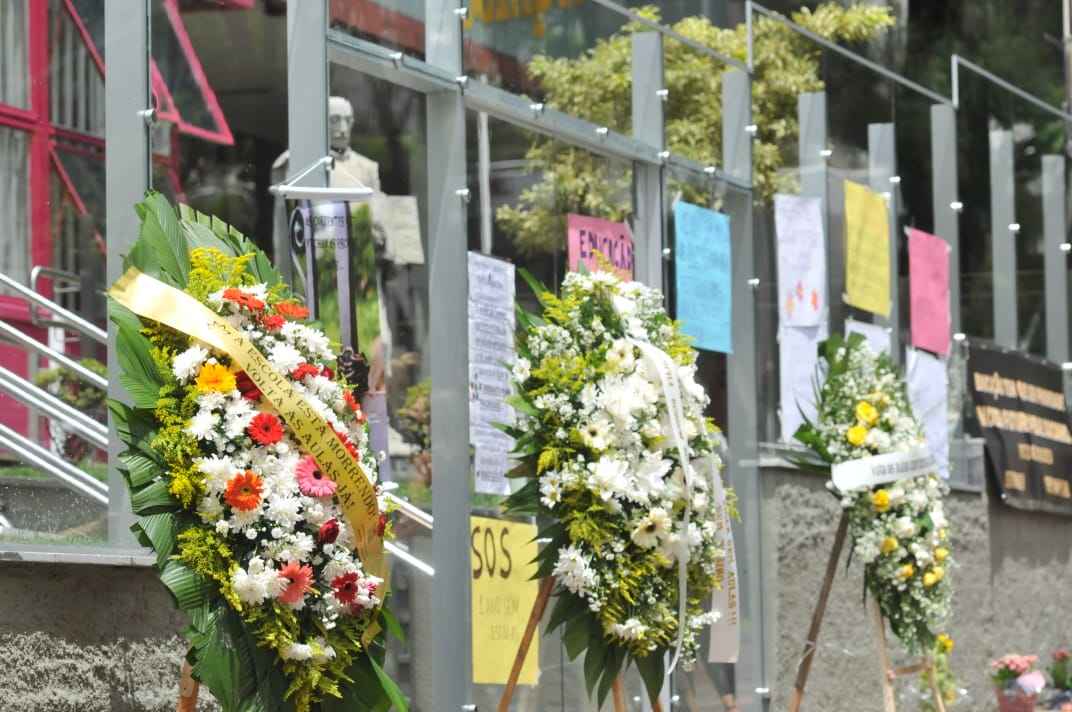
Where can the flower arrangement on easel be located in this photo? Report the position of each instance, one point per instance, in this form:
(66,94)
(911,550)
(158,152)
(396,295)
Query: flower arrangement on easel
(896,521)
(623,472)
(249,470)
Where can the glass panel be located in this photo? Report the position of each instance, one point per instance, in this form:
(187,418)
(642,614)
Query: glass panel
(380,141)
(518,214)
(221,157)
(90,13)
(510,45)
(1035,134)
(14,203)
(398,24)
(76,80)
(14,54)
(708,686)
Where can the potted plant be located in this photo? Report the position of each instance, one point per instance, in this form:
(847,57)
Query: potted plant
(1016,684)
(1061,679)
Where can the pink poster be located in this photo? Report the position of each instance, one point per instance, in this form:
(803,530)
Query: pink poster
(928,284)
(586,236)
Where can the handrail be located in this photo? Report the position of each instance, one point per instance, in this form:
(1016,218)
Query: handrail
(956,61)
(76,322)
(22,339)
(33,454)
(57,275)
(403,555)
(22,390)
(671,34)
(751,7)
(415,513)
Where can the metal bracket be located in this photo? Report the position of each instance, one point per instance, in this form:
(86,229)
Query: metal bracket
(464,194)
(148,116)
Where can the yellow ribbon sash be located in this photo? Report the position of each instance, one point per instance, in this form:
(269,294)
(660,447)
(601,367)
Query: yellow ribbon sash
(150,298)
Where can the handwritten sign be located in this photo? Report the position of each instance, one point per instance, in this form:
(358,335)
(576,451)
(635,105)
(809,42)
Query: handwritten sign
(703,276)
(502,555)
(867,250)
(491,350)
(798,222)
(586,236)
(928,286)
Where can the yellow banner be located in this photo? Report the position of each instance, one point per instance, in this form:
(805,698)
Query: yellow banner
(150,298)
(503,593)
(867,250)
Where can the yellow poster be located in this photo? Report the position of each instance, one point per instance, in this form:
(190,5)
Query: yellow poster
(867,250)
(503,592)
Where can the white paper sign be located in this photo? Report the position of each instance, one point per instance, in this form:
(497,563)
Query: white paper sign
(877,337)
(798,223)
(399,228)
(928,392)
(880,469)
(491,352)
(798,354)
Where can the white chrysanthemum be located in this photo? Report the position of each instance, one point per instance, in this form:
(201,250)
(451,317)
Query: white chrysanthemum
(522,370)
(202,425)
(621,356)
(284,511)
(186,365)
(296,651)
(574,570)
(904,527)
(632,629)
(609,477)
(217,470)
(237,416)
(284,357)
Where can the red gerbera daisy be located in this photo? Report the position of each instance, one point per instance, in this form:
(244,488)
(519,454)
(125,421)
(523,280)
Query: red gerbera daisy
(345,588)
(303,370)
(326,372)
(350,447)
(381,526)
(233,294)
(272,322)
(247,387)
(265,429)
(243,491)
(354,405)
(291,310)
(298,580)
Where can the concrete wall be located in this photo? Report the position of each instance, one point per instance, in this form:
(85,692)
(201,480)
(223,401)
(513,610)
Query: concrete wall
(85,638)
(82,638)
(1013,594)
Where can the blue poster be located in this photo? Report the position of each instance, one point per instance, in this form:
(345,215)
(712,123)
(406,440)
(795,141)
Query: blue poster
(703,275)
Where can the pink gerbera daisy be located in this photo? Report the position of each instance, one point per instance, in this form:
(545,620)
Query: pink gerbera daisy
(299,581)
(311,481)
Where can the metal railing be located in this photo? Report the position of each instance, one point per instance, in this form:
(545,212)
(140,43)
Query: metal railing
(33,454)
(20,338)
(60,316)
(39,399)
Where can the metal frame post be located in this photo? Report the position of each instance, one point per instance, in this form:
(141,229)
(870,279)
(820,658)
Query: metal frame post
(1003,229)
(448,289)
(944,193)
(1055,257)
(648,127)
(126,41)
(743,426)
(814,177)
(307,128)
(881,170)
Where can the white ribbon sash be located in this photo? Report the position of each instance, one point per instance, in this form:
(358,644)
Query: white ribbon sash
(879,469)
(725,630)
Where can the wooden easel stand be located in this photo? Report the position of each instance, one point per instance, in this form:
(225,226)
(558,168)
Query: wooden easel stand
(188,690)
(804,669)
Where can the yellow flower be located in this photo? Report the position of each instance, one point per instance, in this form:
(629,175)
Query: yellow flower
(856,435)
(889,545)
(866,413)
(939,572)
(929,579)
(880,501)
(945,643)
(214,377)
(942,534)
(907,571)
(941,554)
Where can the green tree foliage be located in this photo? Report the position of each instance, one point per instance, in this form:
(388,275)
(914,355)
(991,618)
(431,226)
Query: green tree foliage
(597,86)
